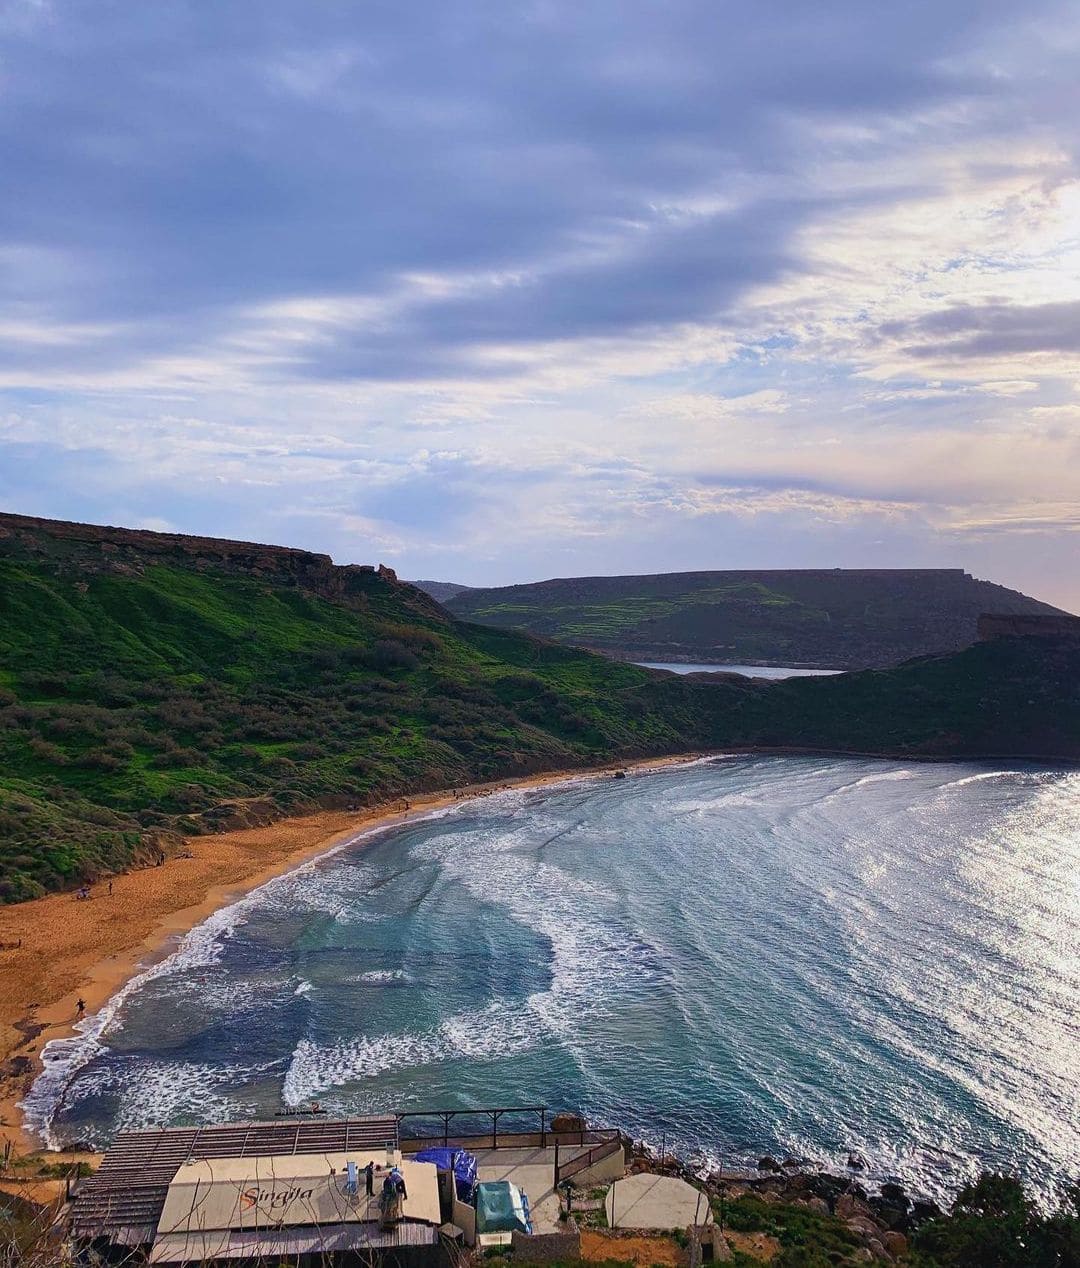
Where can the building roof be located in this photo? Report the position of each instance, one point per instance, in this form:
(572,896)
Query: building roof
(180,1248)
(271,1193)
(124,1199)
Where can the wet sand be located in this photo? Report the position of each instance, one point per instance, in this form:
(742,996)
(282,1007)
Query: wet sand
(73,949)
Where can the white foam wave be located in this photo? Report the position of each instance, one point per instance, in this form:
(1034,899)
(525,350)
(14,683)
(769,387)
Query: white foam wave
(983,775)
(200,948)
(721,802)
(377,976)
(493,1032)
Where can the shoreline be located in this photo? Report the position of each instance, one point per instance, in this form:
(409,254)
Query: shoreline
(89,950)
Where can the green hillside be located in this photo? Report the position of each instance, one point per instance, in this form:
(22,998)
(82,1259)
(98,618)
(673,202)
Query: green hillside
(151,686)
(831,618)
(155,685)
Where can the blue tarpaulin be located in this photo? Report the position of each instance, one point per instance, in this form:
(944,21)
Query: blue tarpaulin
(460,1161)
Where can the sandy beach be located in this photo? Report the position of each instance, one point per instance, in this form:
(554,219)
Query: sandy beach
(57,950)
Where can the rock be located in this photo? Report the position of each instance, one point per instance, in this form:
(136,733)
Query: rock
(855,1163)
(865,1230)
(567,1122)
(848,1206)
(923,1211)
(887,1214)
(877,1249)
(768,1164)
(827,1187)
(896,1244)
(895,1194)
(818,1205)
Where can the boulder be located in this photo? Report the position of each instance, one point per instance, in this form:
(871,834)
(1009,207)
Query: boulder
(896,1244)
(848,1206)
(827,1187)
(818,1205)
(877,1249)
(923,1211)
(567,1122)
(865,1230)
(895,1194)
(768,1164)
(888,1215)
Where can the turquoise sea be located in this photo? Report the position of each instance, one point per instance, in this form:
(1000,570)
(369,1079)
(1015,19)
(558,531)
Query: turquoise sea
(742,955)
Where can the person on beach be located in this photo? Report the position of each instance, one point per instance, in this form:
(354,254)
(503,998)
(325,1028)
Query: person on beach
(110,889)
(80,1007)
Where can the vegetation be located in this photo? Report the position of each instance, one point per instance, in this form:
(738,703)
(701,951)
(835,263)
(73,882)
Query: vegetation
(146,696)
(153,686)
(836,618)
(994,1223)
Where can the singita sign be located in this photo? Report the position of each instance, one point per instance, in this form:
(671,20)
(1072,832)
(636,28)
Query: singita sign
(292,1191)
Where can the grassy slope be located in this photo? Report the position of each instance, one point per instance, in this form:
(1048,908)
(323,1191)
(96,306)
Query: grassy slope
(131,704)
(838,618)
(150,693)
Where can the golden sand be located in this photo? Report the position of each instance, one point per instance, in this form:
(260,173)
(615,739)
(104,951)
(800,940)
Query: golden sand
(71,950)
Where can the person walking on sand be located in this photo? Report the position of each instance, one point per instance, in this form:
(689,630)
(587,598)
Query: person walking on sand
(110,889)
(80,1007)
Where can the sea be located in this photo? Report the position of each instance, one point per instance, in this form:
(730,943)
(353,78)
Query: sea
(731,957)
(748,671)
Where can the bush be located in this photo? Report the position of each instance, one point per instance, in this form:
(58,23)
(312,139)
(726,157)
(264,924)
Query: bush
(390,654)
(994,1223)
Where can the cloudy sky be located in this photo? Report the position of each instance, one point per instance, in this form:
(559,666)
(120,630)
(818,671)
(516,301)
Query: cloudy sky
(494,291)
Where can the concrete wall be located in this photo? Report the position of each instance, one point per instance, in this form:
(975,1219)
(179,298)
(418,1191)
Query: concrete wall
(465,1218)
(602,1171)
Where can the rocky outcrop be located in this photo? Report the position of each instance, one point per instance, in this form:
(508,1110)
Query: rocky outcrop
(91,549)
(1028,625)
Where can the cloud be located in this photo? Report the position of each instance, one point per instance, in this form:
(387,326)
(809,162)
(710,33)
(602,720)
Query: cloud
(991,330)
(713,283)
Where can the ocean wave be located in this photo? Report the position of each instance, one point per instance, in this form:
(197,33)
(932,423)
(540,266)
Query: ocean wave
(981,777)
(484,1034)
(200,948)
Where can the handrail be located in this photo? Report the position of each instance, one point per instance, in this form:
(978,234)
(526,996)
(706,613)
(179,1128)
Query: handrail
(564,1170)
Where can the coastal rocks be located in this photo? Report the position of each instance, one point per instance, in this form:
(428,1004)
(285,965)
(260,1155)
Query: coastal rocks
(848,1206)
(895,1243)
(768,1164)
(567,1122)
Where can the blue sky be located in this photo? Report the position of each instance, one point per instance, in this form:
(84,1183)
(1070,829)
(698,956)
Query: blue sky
(495,291)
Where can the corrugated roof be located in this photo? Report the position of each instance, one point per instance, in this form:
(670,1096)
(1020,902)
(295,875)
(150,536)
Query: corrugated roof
(130,1186)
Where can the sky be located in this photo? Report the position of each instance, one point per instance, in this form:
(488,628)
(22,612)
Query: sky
(494,291)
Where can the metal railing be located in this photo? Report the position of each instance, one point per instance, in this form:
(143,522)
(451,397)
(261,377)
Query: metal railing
(452,1118)
(611,1143)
